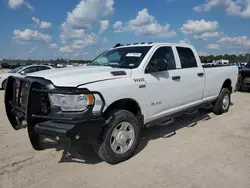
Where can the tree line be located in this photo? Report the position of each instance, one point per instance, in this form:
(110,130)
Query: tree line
(231,58)
(209,58)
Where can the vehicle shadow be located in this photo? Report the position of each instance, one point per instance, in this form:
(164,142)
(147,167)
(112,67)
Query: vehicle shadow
(84,153)
(168,131)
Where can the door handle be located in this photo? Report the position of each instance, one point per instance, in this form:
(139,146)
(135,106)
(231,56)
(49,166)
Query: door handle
(200,74)
(176,78)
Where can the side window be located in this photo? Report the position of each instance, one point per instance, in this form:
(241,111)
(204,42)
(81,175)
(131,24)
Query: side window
(40,68)
(166,54)
(30,70)
(187,57)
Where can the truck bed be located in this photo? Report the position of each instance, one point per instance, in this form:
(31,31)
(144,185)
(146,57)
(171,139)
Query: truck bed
(215,76)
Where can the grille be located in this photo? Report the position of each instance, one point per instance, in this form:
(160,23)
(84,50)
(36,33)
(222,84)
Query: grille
(20,93)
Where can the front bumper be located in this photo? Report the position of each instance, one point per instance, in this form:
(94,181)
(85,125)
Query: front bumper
(86,132)
(28,101)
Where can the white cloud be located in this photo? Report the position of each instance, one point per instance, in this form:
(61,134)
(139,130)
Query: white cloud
(241,41)
(45,25)
(199,26)
(36,20)
(232,7)
(54,45)
(76,29)
(185,41)
(14,4)
(213,46)
(42,24)
(29,6)
(104,24)
(246,12)
(66,49)
(144,25)
(29,34)
(79,44)
(201,53)
(208,35)
(86,14)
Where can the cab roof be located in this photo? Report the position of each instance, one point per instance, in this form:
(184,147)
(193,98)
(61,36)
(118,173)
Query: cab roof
(151,44)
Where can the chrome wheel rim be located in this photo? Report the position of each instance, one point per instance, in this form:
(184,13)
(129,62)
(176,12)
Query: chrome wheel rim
(225,102)
(122,137)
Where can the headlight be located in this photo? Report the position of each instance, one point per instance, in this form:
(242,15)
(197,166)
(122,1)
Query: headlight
(71,103)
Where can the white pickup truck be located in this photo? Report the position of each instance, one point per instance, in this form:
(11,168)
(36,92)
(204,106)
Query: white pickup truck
(122,91)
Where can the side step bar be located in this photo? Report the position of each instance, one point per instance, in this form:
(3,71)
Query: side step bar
(167,120)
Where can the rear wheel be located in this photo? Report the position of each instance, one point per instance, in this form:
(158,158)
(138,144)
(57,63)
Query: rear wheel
(120,137)
(223,102)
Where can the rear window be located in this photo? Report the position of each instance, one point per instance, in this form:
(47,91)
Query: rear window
(187,57)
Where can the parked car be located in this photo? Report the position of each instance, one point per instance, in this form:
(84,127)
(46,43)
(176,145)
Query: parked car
(244,78)
(14,65)
(122,91)
(237,64)
(21,70)
(5,65)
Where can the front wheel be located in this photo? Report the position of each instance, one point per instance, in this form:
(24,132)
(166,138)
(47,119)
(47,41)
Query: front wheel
(223,102)
(4,84)
(120,137)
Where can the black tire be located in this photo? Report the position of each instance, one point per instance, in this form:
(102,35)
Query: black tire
(4,84)
(218,107)
(104,149)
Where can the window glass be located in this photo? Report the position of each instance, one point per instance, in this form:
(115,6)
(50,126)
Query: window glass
(40,68)
(187,57)
(30,70)
(125,57)
(165,53)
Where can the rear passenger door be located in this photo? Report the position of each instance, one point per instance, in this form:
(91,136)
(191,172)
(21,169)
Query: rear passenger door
(192,78)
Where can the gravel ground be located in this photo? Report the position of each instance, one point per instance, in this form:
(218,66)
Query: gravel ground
(214,152)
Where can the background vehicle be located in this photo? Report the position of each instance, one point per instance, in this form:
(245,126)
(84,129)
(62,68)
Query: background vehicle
(122,91)
(237,64)
(244,77)
(222,62)
(21,70)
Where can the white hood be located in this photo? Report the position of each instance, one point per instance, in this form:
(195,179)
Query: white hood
(73,77)
(5,75)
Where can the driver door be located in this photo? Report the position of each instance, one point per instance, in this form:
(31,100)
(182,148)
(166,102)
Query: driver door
(162,87)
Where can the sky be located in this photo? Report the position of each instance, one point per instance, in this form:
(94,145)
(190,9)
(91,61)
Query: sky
(82,29)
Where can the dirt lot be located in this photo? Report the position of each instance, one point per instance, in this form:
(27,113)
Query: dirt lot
(215,152)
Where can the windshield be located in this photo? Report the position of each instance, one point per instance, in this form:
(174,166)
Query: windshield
(127,57)
(16,69)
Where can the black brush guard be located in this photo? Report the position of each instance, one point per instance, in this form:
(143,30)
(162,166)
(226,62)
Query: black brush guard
(27,102)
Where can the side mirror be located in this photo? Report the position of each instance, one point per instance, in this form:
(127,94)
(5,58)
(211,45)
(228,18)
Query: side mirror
(157,66)
(22,72)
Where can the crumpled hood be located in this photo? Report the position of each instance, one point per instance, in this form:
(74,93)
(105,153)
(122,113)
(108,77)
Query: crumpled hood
(75,76)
